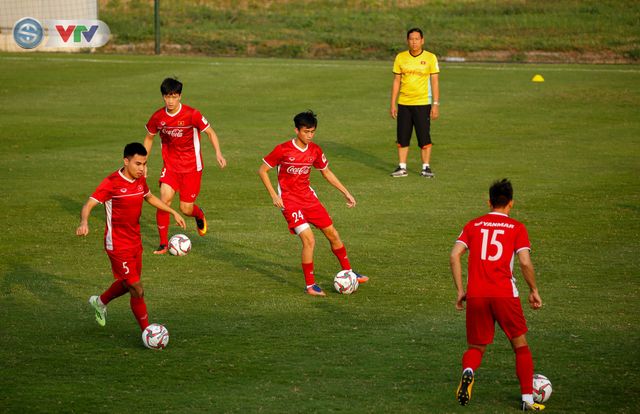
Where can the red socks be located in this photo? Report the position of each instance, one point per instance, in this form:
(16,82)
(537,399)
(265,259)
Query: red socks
(197,213)
(341,254)
(524,369)
(309,277)
(117,289)
(472,358)
(162,219)
(139,309)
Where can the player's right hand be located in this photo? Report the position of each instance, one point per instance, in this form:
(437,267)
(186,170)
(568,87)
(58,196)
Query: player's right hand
(180,221)
(459,301)
(277,201)
(394,112)
(82,230)
(534,300)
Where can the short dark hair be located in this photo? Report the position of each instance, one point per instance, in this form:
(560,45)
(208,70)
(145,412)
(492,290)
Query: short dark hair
(171,85)
(500,193)
(415,29)
(134,148)
(306,119)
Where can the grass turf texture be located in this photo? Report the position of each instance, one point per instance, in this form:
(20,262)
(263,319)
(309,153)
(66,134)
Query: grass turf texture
(243,336)
(360,29)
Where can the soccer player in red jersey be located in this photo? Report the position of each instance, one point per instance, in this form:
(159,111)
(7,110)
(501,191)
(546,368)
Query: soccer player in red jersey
(122,193)
(493,241)
(298,202)
(180,127)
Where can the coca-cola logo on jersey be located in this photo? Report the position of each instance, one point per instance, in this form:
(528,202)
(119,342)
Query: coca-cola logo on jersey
(299,170)
(173,133)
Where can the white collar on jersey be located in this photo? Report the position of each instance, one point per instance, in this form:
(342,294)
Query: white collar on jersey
(499,214)
(293,141)
(124,176)
(177,112)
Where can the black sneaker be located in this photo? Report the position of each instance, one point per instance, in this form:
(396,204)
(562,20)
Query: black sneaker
(426,172)
(399,172)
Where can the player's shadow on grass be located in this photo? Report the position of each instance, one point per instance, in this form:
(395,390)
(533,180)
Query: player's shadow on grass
(233,253)
(70,205)
(21,277)
(334,149)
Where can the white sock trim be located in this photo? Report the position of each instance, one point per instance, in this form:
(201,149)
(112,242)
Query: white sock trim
(528,398)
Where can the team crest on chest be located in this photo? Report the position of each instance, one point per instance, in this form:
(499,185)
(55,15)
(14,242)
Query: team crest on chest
(180,123)
(123,190)
(139,188)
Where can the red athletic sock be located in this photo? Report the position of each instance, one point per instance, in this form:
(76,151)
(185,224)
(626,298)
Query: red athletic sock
(197,213)
(341,254)
(139,309)
(162,219)
(117,289)
(309,277)
(524,369)
(472,358)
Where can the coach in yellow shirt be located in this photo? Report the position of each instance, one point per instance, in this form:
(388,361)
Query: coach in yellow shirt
(417,94)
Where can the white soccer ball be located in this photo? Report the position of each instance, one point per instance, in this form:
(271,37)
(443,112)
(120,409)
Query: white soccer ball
(179,245)
(541,388)
(346,282)
(155,336)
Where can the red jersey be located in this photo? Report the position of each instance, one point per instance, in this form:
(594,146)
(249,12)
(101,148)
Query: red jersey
(493,241)
(122,199)
(180,137)
(294,167)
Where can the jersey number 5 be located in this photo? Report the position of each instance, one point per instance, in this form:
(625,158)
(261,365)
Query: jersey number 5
(124,266)
(494,242)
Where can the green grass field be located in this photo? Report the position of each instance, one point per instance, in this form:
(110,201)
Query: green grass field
(243,336)
(590,31)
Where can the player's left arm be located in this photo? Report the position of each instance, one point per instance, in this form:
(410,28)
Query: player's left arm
(435,94)
(333,180)
(526,266)
(213,137)
(160,205)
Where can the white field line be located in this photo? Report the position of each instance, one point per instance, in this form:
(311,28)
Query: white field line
(336,64)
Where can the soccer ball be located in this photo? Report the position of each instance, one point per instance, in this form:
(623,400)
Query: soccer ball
(155,336)
(346,282)
(541,388)
(179,245)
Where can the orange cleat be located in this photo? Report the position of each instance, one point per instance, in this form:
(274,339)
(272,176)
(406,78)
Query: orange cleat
(162,249)
(202,225)
(361,278)
(314,290)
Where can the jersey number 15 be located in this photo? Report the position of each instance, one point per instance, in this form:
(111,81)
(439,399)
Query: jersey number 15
(494,242)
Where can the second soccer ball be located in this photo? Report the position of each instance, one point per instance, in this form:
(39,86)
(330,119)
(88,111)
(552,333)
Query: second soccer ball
(155,336)
(541,388)
(346,282)
(179,245)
